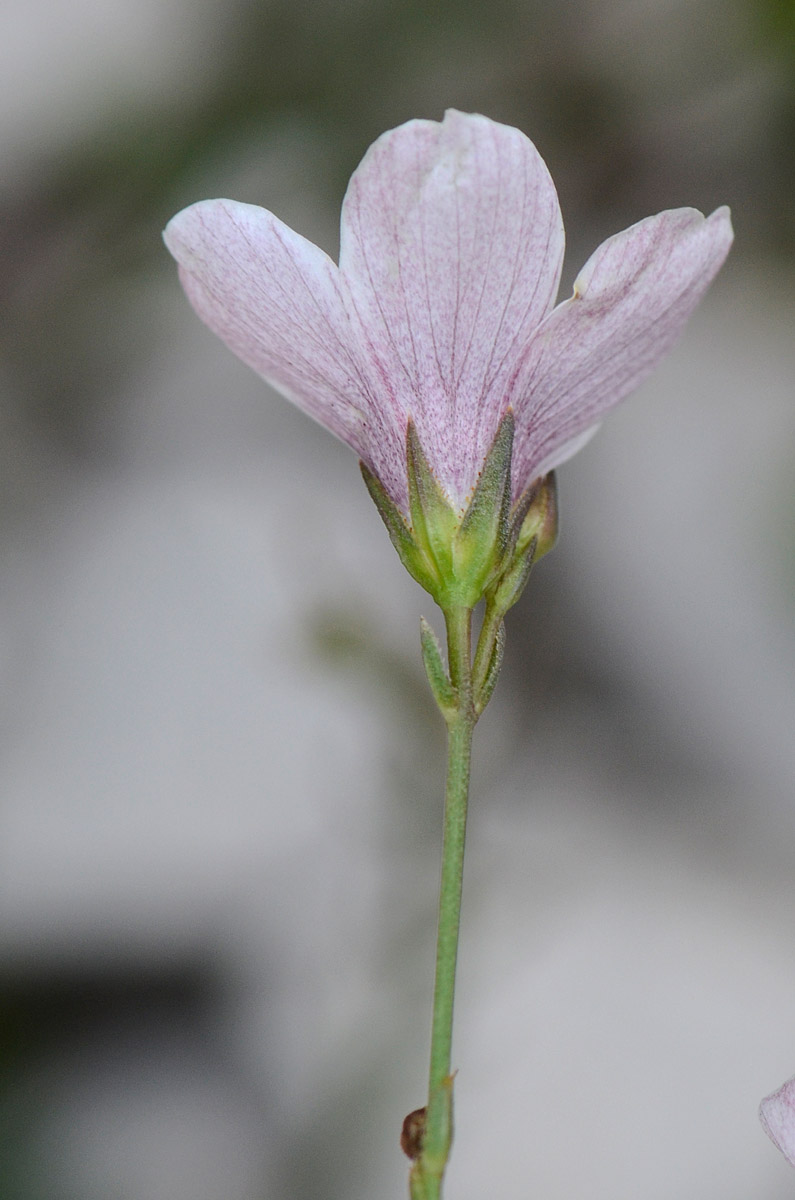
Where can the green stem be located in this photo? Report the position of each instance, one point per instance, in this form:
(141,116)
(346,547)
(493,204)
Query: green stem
(429,1168)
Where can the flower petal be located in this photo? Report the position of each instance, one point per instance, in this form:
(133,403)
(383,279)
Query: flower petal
(630,303)
(451,245)
(277,302)
(777,1114)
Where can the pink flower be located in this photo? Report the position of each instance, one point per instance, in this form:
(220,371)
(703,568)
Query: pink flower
(777,1114)
(442,306)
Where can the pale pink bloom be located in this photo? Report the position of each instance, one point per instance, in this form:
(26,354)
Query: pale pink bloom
(442,306)
(777,1114)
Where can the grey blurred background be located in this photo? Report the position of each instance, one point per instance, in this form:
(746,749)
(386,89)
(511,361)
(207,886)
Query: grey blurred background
(221,773)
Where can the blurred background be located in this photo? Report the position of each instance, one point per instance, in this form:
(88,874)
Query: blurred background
(221,772)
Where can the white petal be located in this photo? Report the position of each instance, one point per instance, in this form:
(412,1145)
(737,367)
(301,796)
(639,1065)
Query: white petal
(276,300)
(630,304)
(451,245)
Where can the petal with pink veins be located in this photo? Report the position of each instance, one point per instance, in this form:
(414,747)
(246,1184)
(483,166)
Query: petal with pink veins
(630,303)
(277,302)
(451,246)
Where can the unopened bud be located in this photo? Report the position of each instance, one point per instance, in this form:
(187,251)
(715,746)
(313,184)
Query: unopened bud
(541,518)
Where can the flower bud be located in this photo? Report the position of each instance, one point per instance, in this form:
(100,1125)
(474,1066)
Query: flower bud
(533,533)
(540,519)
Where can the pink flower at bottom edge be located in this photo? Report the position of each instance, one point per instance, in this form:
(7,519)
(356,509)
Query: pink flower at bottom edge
(777,1114)
(442,307)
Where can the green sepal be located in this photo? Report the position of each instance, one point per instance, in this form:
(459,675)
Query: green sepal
(482,537)
(399,533)
(433,519)
(443,691)
(492,671)
(486,551)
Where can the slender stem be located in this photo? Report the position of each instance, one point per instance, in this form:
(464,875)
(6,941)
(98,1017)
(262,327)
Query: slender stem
(429,1168)
(460,740)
